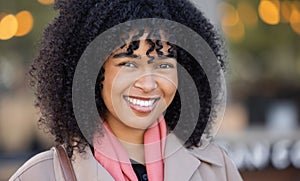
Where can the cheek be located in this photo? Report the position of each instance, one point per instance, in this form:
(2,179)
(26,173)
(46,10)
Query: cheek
(169,86)
(110,78)
(170,93)
(121,84)
(172,82)
(115,84)
(174,86)
(106,94)
(107,90)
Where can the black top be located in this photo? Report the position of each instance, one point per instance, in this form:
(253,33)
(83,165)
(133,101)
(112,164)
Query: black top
(140,170)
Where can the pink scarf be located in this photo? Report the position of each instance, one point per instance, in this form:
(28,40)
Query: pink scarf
(113,157)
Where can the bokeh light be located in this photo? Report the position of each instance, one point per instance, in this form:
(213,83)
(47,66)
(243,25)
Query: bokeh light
(247,14)
(25,21)
(269,11)
(227,14)
(235,33)
(285,11)
(46,2)
(295,17)
(231,23)
(8,27)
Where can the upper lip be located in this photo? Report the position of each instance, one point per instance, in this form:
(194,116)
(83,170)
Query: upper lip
(143,98)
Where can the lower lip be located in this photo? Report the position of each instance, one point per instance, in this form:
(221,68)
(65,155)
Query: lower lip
(142,109)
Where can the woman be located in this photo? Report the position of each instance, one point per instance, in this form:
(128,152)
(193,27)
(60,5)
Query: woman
(136,93)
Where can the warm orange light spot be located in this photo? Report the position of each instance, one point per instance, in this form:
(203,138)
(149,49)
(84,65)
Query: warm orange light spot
(227,14)
(8,27)
(46,2)
(234,33)
(285,11)
(25,21)
(269,11)
(247,14)
(295,18)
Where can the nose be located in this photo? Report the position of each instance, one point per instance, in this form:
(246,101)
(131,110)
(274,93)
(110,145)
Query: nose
(146,83)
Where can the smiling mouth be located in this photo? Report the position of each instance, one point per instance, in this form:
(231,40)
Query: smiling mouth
(144,105)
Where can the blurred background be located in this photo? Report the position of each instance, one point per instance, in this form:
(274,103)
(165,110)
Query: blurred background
(261,126)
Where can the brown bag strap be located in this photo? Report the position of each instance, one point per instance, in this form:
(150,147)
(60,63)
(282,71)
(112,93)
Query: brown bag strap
(65,164)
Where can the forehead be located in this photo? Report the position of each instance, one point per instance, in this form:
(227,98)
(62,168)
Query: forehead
(143,47)
(144,43)
(145,50)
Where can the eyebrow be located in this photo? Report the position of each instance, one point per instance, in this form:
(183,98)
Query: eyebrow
(126,55)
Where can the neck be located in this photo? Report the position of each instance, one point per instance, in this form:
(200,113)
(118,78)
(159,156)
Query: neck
(134,151)
(131,139)
(126,133)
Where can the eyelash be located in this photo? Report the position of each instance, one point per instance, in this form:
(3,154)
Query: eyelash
(128,64)
(166,64)
(133,65)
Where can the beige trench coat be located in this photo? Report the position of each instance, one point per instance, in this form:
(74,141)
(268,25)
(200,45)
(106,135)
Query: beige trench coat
(181,164)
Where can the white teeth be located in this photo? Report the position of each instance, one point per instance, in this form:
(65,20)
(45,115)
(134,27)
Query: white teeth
(151,101)
(140,102)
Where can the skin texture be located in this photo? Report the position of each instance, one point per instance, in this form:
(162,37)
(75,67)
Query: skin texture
(80,22)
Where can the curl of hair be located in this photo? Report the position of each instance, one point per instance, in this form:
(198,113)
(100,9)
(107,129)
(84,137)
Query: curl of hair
(78,23)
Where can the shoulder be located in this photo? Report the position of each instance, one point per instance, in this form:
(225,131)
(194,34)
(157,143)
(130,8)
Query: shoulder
(39,167)
(211,153)
(215,162)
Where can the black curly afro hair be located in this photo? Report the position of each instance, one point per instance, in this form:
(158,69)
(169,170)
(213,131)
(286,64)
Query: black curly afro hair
(79,23)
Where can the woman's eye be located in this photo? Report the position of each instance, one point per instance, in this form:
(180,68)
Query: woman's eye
(166,66)
(128,64)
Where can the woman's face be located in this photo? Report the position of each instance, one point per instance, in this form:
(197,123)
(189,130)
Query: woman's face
(137,91)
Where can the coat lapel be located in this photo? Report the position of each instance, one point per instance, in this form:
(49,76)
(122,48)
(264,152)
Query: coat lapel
(179,163)
(86,167)
(184,164)
(211,154)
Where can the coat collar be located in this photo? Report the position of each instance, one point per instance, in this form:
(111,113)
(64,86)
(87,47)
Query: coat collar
(86,167)
(187,161)
(180,163)
(210,154)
